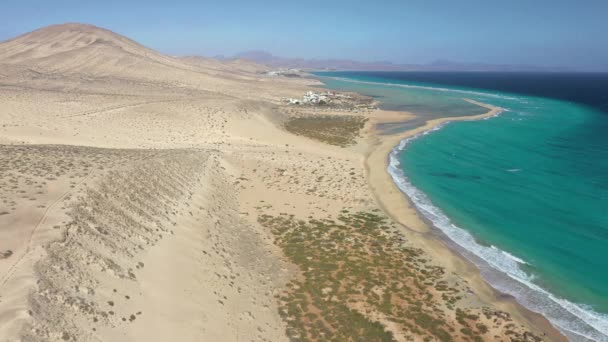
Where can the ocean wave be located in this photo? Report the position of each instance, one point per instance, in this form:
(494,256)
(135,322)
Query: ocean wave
(502,269)
(510,256)
(451,90)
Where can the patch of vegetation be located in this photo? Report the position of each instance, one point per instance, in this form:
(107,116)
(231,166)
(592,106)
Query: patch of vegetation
(358,277)
(6,254)
(360,281)
(334,130)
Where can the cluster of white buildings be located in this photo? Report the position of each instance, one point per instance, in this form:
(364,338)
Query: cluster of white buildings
(284,72)
(316,98)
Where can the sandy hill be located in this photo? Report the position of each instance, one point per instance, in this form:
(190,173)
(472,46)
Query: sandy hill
(80,51)
(80,47)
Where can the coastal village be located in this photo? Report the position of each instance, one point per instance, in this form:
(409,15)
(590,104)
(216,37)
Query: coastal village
(332,99)
(286,73)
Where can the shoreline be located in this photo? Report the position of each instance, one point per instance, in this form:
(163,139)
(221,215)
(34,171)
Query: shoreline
(399,207)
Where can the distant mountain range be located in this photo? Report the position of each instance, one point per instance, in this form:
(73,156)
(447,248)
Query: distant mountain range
(263,57)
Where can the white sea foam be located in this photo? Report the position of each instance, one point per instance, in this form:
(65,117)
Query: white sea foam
(510,256)
(470,92)
(578,322)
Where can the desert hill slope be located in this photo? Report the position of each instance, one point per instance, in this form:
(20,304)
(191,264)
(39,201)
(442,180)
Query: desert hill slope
(80,47)
(80,51)
(238,65)
(64,83)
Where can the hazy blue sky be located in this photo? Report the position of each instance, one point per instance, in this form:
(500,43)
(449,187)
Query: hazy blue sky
(542,32)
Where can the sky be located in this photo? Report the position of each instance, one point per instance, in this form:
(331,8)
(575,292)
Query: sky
(550,33)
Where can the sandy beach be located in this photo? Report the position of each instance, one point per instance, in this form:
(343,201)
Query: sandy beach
(399,207)
(151,198)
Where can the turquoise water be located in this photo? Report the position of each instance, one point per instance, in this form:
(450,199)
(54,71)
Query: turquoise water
(524,195)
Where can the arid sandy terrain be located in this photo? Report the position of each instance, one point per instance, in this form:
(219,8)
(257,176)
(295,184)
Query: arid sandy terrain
(150,198)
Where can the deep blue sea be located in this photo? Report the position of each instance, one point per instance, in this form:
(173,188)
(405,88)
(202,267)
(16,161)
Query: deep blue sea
(523,195)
